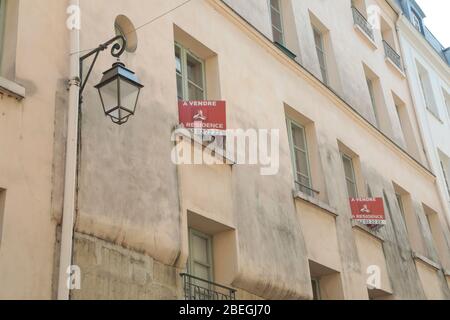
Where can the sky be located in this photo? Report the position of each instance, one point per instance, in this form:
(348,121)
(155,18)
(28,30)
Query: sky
(438,18)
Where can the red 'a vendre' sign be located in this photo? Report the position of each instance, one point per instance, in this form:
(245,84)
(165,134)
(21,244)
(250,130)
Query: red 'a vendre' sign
(205,117)
(368,211)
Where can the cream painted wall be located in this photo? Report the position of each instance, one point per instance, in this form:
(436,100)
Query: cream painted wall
(26,151)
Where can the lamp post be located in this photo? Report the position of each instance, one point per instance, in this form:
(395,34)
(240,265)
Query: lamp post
(119,88)
(119,91)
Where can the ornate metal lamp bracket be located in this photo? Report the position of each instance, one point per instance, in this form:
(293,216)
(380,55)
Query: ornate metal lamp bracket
(120,43)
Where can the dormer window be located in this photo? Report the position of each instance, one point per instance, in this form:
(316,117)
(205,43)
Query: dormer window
(416,22)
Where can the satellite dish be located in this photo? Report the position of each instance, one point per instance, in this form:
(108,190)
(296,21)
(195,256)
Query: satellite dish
(124,27)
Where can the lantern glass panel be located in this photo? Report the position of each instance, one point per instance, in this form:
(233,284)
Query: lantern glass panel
(108,93)
(128,95)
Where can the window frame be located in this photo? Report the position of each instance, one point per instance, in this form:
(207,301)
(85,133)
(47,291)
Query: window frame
(426,87)
(373,100)
(400,204)
(210,256)
(416,21)
(280,13)
(320,51)
(344,156)
(293,148)
(184,73)
(315,283)
(445,174)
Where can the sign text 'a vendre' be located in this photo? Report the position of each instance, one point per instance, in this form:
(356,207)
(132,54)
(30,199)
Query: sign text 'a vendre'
(203,116)
(368,211)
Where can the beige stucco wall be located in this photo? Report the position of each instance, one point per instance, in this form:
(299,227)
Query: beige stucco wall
(133,162)
(26,150)
(428,275)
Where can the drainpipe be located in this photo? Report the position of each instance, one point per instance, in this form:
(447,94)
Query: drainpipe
(70,179)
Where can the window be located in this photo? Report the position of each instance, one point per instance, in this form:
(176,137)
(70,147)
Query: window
(400,204)
(350,176)
(200,255)
(190,72)
(372,100)
(299,152)
(444,171)
(447,101)
(416,21)
(316,289)
(318,39)
(427,92)
(277,21)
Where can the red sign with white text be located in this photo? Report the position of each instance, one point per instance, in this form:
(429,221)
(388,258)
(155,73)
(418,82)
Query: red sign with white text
(368,211)
(205,117)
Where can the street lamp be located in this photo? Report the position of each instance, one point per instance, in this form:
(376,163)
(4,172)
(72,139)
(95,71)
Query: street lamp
(119,88)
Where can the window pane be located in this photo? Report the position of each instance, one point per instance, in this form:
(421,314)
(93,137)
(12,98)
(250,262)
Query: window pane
(195,93)
(298,135)
(301,159)
(351,188)
(276,19)
(277,36)
(178,59)
(318,39)
(202,272)
(348,168)
(195,70)
(179,87)
(303,181)
(200,249)
(275,4)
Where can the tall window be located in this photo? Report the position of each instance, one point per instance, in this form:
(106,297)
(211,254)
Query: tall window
(427,93)
(200,255)
(300,158)
(444,171)
(190,72)
(350,176)
(372,100)
(400,204)
(320,48)
(277,21)
(316,289)
(447,101)
(416,21)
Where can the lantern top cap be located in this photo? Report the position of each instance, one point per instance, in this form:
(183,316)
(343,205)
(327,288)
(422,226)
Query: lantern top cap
(119,70)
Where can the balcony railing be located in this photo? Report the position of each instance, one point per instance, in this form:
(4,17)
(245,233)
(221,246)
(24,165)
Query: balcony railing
(307,190)
(361,21)
(392,55)
(200,289)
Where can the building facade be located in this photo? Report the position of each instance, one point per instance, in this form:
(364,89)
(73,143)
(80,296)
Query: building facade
(427,68)
(329,76)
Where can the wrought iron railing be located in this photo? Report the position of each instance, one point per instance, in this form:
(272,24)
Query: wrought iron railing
(361,21)
(307,190)
(199,289)
(392,55)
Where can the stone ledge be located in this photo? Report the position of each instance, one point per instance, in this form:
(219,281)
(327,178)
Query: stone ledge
(11,89)
(366,229)
(431,263)
(395,67)
(365,36)
(315,202)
